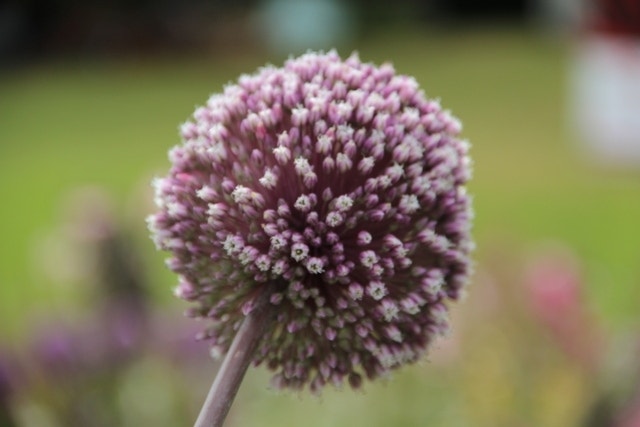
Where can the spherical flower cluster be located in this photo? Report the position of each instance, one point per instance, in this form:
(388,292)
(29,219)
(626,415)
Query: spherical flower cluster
(337,188)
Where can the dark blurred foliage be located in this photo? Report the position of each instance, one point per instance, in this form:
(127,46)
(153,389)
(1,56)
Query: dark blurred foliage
(376,14)
(470,10)
(34,28)
(617,17)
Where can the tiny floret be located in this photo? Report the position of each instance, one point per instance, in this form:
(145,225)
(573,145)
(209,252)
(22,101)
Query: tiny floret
(282,154)
(364,238)
(206,193)
(368,258)
(278,242)
(356,291)
(377,290)
(337,190)
(343,162)
(324,144)
(269,179)
(302,165)
(175,209)
(366,164)
(263,262)
(303,203)
(241,194)
(315,265)
(216,209)
(233,245)
(389,310)
(299,251)
(409,204)
(344,203)
(334,219)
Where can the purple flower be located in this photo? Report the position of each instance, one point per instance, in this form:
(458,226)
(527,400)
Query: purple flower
(7,373)
(8,388)
(337,188)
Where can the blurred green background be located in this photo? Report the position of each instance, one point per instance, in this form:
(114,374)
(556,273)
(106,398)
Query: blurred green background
(70,122)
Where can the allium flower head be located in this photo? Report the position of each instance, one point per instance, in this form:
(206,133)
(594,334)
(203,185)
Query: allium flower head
(337,188)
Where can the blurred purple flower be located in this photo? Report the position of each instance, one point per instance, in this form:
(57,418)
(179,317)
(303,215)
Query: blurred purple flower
(338,189)
(117,331)
(555,293)
(10,375)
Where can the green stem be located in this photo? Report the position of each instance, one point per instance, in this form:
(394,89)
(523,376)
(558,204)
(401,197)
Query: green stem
(235,364)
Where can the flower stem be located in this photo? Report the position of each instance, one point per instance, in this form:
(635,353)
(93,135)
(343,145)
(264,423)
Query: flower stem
(235,364)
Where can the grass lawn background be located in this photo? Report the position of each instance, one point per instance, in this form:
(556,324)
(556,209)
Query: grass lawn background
(110,123)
